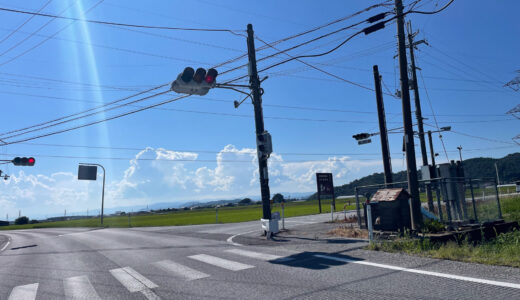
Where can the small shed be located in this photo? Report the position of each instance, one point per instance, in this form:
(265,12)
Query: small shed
(392,211)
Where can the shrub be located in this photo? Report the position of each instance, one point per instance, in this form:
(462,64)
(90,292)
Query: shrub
(21,221)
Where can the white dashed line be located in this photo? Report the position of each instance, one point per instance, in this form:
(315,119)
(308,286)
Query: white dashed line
(256,255)
(416,271)
(24,292)
(79,288)
(180,270)
(220,262)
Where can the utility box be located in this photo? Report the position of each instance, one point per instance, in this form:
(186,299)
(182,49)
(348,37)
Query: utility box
(452,175)
(270,225)
(392,211)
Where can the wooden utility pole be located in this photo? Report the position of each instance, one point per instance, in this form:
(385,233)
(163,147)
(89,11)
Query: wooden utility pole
(413,185)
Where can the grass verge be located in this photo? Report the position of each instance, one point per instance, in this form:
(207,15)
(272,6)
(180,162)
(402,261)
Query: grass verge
(193,217)
(503,250)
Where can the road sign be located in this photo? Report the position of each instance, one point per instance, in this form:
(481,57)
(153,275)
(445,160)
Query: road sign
(325,184)
(362,142)
(87,172)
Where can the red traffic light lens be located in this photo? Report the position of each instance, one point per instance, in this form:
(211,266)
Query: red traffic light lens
(31,161)
(211,76)
(187,74)
(200,74)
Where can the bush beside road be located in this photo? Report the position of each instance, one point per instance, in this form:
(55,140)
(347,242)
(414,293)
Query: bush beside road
(502,250)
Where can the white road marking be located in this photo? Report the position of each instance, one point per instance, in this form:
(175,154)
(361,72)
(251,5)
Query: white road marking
(220,262)
(430,273)
(6,244)
(257,255)
(230,239)
(180,270)
(133,281)
(24,292)
(79,287)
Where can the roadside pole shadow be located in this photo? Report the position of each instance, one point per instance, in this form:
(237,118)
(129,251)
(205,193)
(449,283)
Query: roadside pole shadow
(23,247)
(311,260)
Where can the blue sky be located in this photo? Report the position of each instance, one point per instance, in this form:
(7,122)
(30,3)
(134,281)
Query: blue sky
(202,148)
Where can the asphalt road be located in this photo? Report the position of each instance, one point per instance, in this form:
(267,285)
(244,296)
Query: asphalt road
(229,261)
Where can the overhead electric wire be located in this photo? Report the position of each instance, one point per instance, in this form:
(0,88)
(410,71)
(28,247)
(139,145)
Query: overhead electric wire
(96,122)
(85,111)
(118,24)
(45,40)
(318,69)
(36,31)
(84,116)
(431,12)
(311,30)
(434,116)
(23,24)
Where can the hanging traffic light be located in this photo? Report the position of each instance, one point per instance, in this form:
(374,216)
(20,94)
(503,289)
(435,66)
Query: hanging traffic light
(195,82)
(24,161)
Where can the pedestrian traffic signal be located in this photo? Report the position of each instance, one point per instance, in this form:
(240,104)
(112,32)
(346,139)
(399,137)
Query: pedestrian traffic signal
(24,161)
(195,82)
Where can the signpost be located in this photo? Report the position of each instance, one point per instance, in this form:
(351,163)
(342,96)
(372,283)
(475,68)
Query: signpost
(89,172)
(325,187)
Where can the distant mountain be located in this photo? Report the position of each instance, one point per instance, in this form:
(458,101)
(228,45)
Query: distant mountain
(479,167)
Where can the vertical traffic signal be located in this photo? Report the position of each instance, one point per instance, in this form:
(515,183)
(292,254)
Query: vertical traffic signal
(197,82)
(24,161)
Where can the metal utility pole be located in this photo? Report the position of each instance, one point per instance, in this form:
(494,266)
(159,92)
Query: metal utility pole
(387,163)
(413,184)
(418,111)
(254,82)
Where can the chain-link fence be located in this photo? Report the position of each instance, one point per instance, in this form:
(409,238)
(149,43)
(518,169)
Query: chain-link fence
(449,200)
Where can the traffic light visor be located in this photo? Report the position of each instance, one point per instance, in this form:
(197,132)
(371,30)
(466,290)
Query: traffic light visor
(211,76)
(200,74)
(187,74)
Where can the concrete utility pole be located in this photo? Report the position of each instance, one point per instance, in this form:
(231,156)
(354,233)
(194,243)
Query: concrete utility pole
(418,111)
(385,149)
(413,185)
(254,82)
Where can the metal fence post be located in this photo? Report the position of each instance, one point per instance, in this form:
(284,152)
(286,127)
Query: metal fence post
(357,207)
(473,201)
(283,216)
(369,221)
(498,201)
(438,196)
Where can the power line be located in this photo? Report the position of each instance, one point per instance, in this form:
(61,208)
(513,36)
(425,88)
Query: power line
(430,12)
(23,24)
(118,24)
(45,40)
(85,111)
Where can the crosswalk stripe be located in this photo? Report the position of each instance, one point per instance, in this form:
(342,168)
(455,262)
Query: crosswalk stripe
(251,254)
(133,281)
(79,288)
(180,270)
(24,292)
(220,262)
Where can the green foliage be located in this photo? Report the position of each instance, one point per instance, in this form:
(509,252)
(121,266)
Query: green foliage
(503,250)
(191,217)
(21,221)
(480,167)
(245,201)
(433,226)
(278,198)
